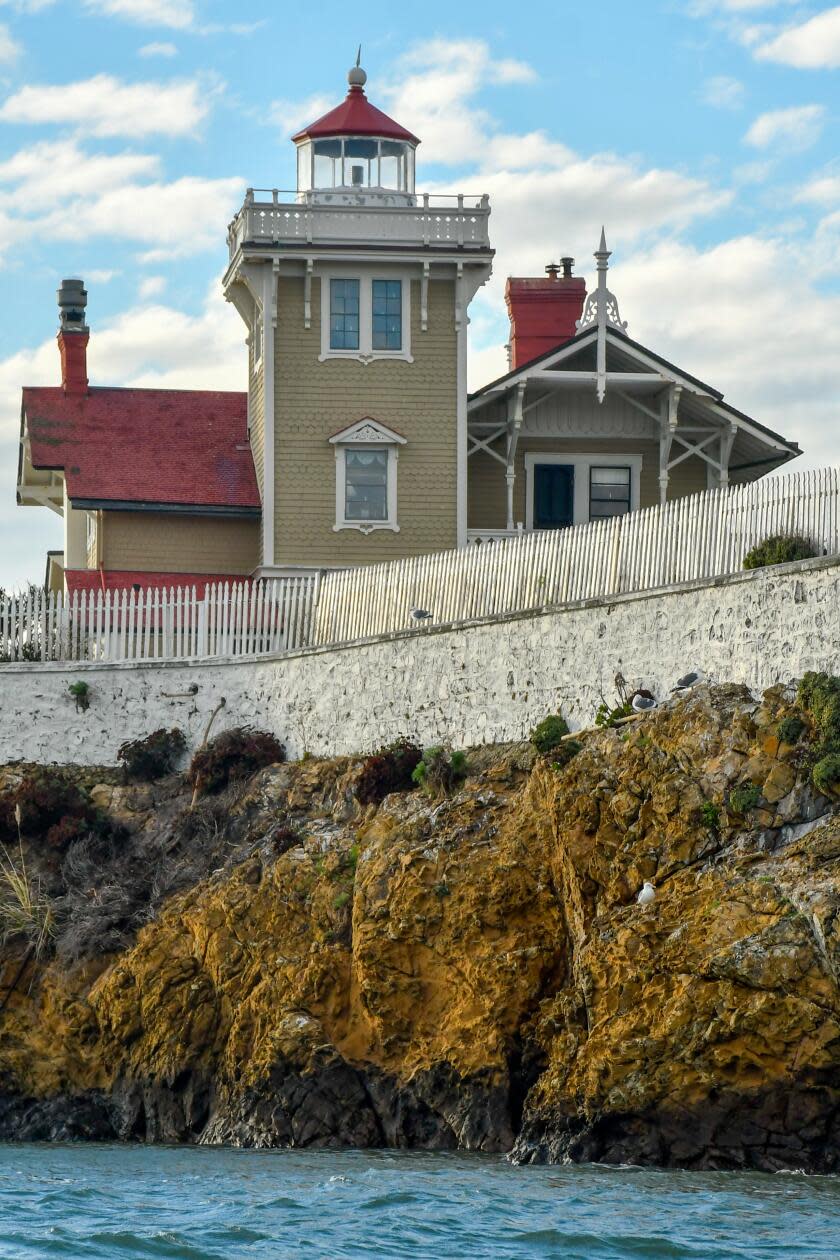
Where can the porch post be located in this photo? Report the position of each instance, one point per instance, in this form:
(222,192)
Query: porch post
(668,415)
(727,440)
(514,426)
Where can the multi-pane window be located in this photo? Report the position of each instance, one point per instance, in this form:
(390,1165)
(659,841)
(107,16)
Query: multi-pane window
(344,314)
(387,314)
(609,492)
(365,485)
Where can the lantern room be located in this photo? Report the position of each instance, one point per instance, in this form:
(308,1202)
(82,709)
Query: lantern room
(355,152)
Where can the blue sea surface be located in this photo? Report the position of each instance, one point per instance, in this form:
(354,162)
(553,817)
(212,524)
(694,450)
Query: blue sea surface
(115,1202)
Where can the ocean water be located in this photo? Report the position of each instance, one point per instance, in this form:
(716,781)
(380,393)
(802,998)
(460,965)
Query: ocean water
(117,1202)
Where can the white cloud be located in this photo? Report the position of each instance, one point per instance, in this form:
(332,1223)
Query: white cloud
(811,45)
(432,95)
(822,190)
(106,106)
(178,14)
(157,50)
(291,116)
(152,286)
(10,49)
(58,191)
(723,92)
(797,127)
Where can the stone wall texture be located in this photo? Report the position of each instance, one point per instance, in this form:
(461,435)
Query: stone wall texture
(474,683)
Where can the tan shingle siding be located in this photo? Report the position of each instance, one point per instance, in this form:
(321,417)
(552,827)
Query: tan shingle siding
(163,542)
(314,400)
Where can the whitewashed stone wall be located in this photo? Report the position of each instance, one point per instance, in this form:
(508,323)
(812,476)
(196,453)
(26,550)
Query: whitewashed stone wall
(477,683)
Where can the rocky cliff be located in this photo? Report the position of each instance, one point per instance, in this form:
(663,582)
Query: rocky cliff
(283,965)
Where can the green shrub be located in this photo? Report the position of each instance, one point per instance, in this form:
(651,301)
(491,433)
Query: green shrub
(819,696)
(440,771)
(152,757)
(826,775)
(340,900)
(791,729)
(779,549)
(564,753)
(232,756)
(386,771)
(548,733)
(744,797)
(710,816)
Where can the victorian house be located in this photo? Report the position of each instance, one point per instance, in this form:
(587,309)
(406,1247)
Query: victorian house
(357,440)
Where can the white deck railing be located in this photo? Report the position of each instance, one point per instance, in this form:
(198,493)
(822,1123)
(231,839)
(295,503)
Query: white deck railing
(312,218)
(703,536)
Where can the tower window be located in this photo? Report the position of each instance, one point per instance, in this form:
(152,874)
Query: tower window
(344,314)
(387,314)
(366,485)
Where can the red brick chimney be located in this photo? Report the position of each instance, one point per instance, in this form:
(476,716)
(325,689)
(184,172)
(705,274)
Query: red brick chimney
(543,313)
(73,336)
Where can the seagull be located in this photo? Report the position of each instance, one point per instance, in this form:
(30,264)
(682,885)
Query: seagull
(642,701)
(689,680)
(648,894)
(421,614)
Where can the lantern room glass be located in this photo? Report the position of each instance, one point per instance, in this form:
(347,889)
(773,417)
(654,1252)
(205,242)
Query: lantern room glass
(355,164)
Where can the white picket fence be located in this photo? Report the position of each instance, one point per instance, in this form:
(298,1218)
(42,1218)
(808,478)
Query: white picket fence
(238,619)
(702,536)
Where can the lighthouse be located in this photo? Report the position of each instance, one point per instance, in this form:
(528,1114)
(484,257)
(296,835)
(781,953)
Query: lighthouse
(354,289)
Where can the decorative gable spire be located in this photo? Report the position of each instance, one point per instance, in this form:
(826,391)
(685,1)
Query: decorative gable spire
(601,312)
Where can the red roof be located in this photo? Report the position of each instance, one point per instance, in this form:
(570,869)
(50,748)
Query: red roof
(355,116)
(178,447)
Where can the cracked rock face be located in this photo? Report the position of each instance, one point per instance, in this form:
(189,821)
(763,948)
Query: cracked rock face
(469,972)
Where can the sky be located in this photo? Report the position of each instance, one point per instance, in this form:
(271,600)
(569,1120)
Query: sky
(704,135)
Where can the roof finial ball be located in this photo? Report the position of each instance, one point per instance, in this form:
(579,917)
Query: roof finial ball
(356,77)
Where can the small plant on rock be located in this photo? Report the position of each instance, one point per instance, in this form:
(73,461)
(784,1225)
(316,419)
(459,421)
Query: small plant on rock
(24,910)
(564,753)
(233,756)
(285,836)
(744,798)
(779,549)
(440,771)
(826,775)
(389,770)
(548,733)
(710,816)
(819,696)
(605,716)
(152,757)
(791,729)
(80,691)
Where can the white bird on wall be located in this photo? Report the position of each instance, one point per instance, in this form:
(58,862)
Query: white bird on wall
(642,702)
(421,614)
(689,680)
(648,894)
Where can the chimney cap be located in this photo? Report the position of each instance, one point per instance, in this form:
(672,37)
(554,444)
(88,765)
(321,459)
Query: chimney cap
(72,300)
(567,264)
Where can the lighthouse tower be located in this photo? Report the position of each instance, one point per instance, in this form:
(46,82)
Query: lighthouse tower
(354,289)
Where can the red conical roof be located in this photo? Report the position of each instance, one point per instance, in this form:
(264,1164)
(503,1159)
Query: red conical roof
(355,116)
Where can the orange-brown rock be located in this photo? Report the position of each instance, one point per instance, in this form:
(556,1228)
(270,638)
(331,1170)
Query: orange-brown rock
(468,971)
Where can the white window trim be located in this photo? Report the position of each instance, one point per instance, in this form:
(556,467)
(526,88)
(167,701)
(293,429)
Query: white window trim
(366,435)
(581,463)
(366,353)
